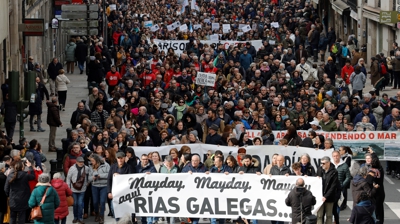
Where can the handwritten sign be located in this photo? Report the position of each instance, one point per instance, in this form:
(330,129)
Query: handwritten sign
(205,79)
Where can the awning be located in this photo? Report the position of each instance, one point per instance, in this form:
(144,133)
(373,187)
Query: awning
(339,6)
(371,13)
(315,1)
(353,15)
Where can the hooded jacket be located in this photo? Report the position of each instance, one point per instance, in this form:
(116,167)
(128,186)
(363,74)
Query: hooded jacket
(63,192)
(70,52)
(19,191)
(253,168)
(378,114)
(362,213)
(49,205)
(359,185)
(329,126)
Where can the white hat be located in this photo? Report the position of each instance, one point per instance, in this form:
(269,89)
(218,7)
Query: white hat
(314,123)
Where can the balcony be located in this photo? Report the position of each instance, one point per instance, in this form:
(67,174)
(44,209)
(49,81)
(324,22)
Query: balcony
(352,4)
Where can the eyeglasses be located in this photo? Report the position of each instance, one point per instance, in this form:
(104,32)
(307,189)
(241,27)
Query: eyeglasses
(220,110)
(156,100)
(181,102)
(246,112)
(82,142)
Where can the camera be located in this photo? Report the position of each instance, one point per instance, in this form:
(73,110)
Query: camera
(365,149)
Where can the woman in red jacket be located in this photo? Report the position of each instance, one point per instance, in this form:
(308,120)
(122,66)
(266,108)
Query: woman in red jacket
(63,191)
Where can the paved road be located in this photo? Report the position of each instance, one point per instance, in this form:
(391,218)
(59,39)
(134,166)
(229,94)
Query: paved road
(77,91)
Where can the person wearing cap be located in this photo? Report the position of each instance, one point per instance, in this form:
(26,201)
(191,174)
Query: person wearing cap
(51,202)
(74,174)
(315,126)
(245,59)
(365,112)
(331,69)
(213,137)
(120,167)
(99,116)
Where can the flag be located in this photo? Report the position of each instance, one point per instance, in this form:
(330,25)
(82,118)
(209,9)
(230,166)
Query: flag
(194,6)
(184,4)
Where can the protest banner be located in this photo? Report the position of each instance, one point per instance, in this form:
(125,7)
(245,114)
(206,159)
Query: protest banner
(206,79)
(183,28)
(246,29)
(180,45)
(215,26)
(262,153)
(154,28)
(212,195)
(148,24)
(357,141)
(197,26)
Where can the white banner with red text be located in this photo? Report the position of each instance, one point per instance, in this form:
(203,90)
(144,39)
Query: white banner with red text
(180,45)
(263,153)
(386,144)
(199,195)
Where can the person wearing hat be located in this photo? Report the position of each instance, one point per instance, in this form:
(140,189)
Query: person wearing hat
(245,59)
(213,137)
(75,172)
(315,126)
(365,112)
(51,202)
(331,69)
(120,167)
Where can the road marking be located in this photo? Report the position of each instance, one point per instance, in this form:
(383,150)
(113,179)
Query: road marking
(388,180)
(395,207)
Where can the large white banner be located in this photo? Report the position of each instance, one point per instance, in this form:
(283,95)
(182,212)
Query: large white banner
(386,144)
(198,195)
(180,45)
(262,153)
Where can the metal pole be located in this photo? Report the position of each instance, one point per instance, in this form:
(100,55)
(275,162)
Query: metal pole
(88,30)
(105,24)
(21,119)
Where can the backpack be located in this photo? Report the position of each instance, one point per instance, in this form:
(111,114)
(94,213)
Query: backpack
(345,52)
(382,68)
(335,48)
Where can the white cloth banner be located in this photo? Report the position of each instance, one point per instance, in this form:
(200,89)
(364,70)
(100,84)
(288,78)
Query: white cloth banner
(180,45)
(246,28)
(197,26)
(382,142)
(183,28)
(148,24)
(215,26)
(205,79)
(262,153)
(154,28)
(198,195)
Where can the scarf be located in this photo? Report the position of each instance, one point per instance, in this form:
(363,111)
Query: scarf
(384,102)
(79,172)
(179,110)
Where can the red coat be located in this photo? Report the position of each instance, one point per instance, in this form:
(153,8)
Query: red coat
(113,78)
(147,78)
(63,191)
(346,73)
(70,160)
(32,183)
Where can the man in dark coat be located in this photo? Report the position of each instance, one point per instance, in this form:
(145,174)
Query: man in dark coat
(330,180)
(52,70)
(250,165)
(80,110)
(53,120)
(155,132)
(81,54)
(9,111)
(298,195)
(213,137)
(35,108)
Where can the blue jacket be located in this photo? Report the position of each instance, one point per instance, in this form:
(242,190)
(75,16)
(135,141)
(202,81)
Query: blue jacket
(224,168)
(387,122)
(35,156)
(245,60)
(372,119)
(199,169)
(148,168)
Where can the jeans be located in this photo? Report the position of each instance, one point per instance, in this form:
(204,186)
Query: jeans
(39,121)
(81,65)
(99,195)
(326,209)
(19,214)
(220,221)
(151,220)
(60,221)
(78,205)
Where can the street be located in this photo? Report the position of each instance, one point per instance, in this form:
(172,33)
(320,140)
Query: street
(77,91)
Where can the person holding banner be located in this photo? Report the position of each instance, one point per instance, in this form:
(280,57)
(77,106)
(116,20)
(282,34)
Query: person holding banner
(121,167)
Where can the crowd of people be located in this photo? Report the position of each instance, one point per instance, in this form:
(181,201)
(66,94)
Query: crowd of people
(144,96)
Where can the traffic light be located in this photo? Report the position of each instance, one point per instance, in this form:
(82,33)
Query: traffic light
(30,84)
(13,92)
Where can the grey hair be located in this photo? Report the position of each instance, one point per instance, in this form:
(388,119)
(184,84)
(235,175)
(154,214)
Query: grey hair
(2,165)
(44,178)
(57,176)
(329,140)
(367,95)
(363,171)
(168,158)
(306,155)
(14,152)
(326,158)
(344,98)
(74,132)
(96,158)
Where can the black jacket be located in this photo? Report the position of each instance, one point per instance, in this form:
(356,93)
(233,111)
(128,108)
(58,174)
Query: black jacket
(9,110)
(75,118)
(125,169)
(282,171)
(81,51)
(53,69)
(253,168)
(363,214)
(3,196)
(293,200)
(329,182)
(213,139)
(19,191)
